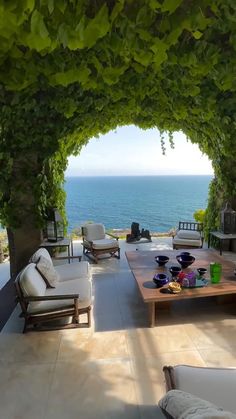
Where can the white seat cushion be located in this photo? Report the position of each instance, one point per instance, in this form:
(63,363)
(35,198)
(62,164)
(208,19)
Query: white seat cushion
(82,287)
(105,244)
(31,282)
(94,232)
(188,234)
(187,242)
(214,384)
(40,252)
(75,270)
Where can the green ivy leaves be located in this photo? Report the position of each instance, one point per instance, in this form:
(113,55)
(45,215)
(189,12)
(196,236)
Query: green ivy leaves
(79,75)
(71,70)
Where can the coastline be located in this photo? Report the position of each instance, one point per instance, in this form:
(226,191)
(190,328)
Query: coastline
(121,233)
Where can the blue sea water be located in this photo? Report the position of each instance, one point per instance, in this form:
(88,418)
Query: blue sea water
(157,203)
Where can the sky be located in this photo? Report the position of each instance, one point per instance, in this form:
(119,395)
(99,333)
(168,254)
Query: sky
(130,151)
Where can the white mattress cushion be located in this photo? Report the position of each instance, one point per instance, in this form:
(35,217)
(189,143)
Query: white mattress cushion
(94,232)
(180,405)
(189,234)
(105,244)
(82,287)
(187,242)
(214,384)
(40,252)
(31,282)
(73,270)
(48,272)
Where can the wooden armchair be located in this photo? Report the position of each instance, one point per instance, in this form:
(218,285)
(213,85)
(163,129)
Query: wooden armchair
(217,385)
(188,235)
(96,243)
(40,304)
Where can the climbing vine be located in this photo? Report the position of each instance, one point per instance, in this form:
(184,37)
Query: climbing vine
(71,70)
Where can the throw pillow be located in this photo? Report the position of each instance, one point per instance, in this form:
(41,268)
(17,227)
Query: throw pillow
(182,405)
(48,272)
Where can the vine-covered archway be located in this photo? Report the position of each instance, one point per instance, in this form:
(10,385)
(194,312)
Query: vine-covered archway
(72,70)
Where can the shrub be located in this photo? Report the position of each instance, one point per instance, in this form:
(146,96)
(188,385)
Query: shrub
(199,215)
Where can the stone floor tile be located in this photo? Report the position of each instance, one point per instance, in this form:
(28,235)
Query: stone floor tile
(30,348)
(208,334)
(100,345)
(151,342)
(218,357)
(108,321)
(94,390)
(24,390)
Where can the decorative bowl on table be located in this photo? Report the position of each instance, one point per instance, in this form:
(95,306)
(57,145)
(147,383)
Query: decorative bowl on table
(202,271)
(161,260)
(185,260)
(175,270)
(185,253)
(160,280)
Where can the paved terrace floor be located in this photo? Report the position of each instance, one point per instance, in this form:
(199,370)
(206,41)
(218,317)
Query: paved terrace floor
(114,369)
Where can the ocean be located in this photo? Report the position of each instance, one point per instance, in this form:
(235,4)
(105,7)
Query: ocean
(157,203)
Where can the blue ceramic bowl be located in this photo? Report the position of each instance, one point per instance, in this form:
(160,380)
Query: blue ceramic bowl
(202,271)
(160,280)
(185,253)
(174,270)
(185,260)
(161,260)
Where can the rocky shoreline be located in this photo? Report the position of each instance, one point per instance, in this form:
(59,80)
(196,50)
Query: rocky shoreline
(121,233)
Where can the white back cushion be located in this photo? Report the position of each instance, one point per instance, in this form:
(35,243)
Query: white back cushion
(40,252)
(94,232)
(31,282)
(189,234)
(47,271)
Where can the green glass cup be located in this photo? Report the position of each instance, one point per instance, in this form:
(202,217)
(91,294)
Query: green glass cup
(215,272)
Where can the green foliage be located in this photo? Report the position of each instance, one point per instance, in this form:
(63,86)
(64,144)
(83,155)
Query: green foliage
(216,199)
(199,215)
(72,70)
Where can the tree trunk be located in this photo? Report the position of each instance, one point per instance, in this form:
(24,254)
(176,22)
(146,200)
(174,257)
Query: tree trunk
(1,252)
(23,240)
(22,243)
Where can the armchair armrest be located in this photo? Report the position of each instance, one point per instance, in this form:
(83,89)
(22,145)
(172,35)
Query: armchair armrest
(68,258)
(52,297)
(112,235)
(174,233)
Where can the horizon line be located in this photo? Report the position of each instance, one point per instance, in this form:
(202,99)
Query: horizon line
(167,175)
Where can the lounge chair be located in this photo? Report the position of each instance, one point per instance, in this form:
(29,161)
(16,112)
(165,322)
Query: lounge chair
(69,296)
(216,385)
(96,243)
(188,235)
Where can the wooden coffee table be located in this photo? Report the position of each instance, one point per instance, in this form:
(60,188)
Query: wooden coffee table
(144,267)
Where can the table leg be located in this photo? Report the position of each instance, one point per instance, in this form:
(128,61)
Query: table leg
(221,241)
(72,250)
(151,314)
(69,252)
(209,240)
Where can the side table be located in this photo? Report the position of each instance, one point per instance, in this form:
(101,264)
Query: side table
(61,243)
(221,237)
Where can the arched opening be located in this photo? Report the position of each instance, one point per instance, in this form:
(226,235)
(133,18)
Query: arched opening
(123,176)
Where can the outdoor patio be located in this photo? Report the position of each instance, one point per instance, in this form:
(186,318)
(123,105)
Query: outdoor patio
(114,369)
